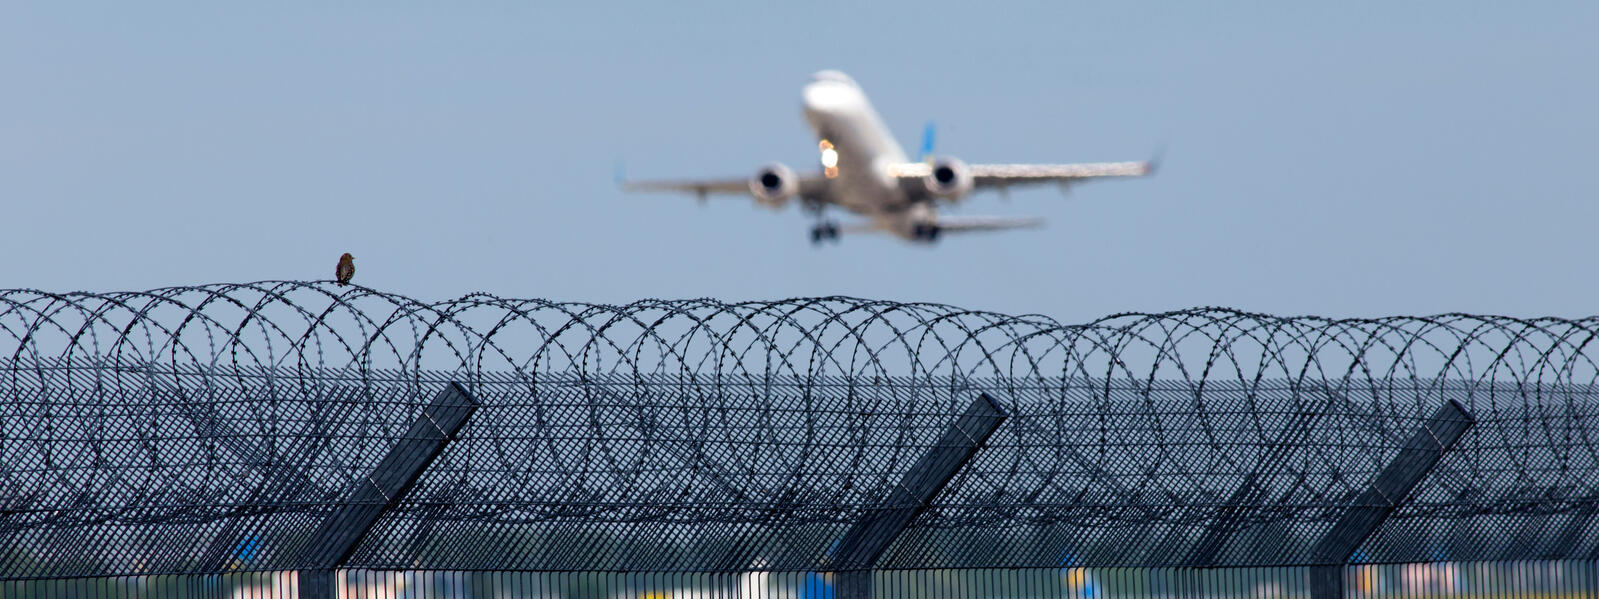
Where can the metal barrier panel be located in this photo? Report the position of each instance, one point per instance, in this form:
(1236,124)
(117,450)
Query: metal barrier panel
(1440,580)
(577,475)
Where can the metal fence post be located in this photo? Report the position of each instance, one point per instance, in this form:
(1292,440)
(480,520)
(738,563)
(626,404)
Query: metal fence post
(858,550)
(1361,517)
(339,535)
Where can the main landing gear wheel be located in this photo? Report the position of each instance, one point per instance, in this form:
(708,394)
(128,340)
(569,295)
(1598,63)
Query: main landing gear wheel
(927,232)
(823,231)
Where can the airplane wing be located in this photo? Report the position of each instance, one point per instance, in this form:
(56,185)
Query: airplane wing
(811,186)
(700,187)
(1002,175)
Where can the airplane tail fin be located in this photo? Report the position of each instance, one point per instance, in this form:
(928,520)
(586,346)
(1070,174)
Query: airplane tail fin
(928,134)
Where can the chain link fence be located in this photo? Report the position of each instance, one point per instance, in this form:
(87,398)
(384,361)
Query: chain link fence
(284,439)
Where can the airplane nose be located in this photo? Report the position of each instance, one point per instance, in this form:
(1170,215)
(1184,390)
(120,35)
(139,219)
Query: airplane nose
(829,96)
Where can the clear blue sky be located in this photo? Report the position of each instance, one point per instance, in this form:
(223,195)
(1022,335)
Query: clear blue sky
(1339,159)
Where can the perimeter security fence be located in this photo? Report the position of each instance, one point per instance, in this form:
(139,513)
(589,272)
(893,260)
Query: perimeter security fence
(288,439)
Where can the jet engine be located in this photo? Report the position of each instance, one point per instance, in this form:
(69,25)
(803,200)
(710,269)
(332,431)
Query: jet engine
(773,185)
(948,178)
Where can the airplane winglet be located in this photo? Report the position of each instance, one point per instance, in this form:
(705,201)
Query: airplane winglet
(1153,164)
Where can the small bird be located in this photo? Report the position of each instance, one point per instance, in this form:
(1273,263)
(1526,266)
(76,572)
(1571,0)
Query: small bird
(345,270)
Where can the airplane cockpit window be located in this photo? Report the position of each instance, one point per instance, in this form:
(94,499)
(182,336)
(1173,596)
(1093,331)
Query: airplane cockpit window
(834,76)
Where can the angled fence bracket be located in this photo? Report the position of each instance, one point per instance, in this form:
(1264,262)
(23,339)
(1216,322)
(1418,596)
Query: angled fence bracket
(1250,493)
(1361,518)
(864,543)
(277,482)
(339,535)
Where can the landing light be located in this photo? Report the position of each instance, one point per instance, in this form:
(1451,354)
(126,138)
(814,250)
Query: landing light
(829,159)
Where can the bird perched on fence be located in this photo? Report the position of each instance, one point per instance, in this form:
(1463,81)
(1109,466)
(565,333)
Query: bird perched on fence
(346,269)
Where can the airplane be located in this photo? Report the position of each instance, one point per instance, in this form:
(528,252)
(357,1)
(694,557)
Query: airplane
(864,171)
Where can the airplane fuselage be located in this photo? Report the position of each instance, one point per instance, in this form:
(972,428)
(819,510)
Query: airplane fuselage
(839,114)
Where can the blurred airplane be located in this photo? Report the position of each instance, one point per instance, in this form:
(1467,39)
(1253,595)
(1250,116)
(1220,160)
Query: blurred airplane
(864,171)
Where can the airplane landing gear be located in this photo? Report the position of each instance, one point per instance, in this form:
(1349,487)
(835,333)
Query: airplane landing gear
(925,232)
(823,231)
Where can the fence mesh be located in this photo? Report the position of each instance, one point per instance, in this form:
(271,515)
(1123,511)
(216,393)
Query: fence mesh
(207,431)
